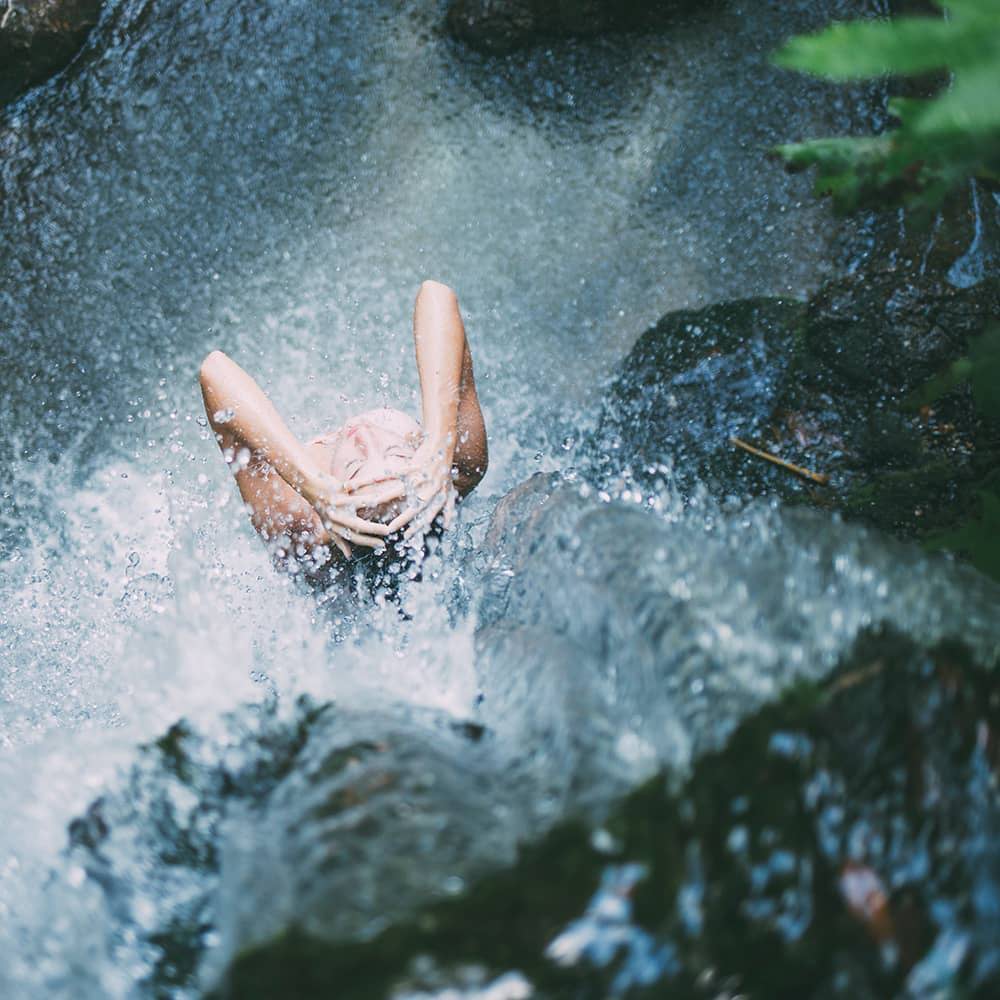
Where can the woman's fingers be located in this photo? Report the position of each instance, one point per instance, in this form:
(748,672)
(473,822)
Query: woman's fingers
(353,485)
(326,537)
(380,493)
(427,516)
(403,519)
(357,537)
(337,519)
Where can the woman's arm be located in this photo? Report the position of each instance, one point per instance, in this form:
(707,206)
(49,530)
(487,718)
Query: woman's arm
(453,455)
(452,418)
(287,492)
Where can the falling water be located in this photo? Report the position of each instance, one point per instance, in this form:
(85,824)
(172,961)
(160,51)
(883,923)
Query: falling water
(274,179)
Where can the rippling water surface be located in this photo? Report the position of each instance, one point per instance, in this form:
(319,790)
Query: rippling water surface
(275,179)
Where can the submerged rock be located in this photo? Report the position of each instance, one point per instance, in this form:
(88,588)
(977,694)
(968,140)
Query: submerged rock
(843,843)
(337,843)
(39,38)
(499,26)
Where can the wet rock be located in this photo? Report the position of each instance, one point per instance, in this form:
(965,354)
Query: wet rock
(159,835)
(693,381)
(881,334)
(843,843)
(39,38)
(830,386)
(498,26)
(334,822)
(872,340)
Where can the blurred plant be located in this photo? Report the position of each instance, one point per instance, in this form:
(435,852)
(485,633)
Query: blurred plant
(939,142)
(978,538)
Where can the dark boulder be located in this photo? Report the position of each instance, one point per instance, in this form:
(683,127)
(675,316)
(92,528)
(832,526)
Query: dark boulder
(837,386)
(693,381)
(39,38)
(499,26)
(881,334)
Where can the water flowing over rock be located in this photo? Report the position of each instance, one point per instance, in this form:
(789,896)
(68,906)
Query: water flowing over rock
(843,843)
(38,38)
(613,642)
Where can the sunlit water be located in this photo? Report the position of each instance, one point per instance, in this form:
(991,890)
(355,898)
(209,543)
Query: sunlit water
(275,179)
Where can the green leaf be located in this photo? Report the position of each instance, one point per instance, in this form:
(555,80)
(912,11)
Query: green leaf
(858,50)
(970,105)
(940,142)
(969,8)
(906,109)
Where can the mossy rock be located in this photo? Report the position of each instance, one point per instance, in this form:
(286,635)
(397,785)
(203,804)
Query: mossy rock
(840,844)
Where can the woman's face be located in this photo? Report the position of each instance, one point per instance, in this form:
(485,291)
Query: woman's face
(379,444)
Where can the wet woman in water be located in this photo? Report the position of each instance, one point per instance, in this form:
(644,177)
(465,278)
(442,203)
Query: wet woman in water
(379,474)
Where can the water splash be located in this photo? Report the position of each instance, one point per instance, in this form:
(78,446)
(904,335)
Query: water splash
(276,180)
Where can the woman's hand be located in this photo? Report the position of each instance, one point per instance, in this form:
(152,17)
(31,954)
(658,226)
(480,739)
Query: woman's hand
(429,490)
(337,511)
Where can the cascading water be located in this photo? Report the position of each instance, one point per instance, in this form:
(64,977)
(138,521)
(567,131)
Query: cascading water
(275,179)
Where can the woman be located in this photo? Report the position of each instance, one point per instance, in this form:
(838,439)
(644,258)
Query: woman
(379,473)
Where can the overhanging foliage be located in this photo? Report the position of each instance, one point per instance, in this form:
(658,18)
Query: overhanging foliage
(939,142)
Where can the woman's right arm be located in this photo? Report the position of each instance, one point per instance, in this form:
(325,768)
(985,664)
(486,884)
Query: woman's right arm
(287,492)
(452,417)
(453,455)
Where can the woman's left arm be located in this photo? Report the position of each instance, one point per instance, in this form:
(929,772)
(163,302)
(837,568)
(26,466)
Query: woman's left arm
(453,456)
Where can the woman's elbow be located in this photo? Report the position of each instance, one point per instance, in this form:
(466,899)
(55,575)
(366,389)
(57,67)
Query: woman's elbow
(472,474)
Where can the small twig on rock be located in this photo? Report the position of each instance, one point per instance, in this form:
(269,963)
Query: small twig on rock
(6,14)
(848,680)
(815,477)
